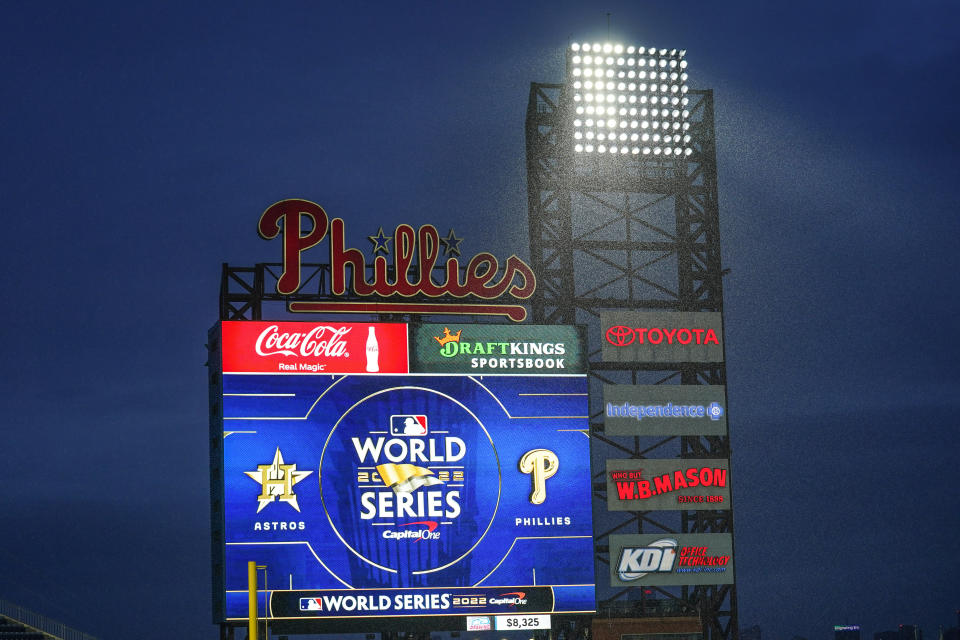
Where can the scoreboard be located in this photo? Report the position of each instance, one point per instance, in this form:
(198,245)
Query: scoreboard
(381,469)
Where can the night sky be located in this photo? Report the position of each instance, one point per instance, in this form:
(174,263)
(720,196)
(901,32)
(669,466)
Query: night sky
(141,143)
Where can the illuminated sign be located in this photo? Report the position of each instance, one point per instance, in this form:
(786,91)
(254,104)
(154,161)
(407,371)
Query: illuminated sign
(497,349)
(519,623)
(328,347)
(664,410)
(381,489)
(303,225)
(671,559)
(661,336)
(675,484)
(478,623)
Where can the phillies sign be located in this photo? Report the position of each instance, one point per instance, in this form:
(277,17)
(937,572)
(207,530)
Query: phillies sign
(303,224)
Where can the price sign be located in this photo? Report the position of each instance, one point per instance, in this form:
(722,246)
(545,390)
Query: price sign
(517,623)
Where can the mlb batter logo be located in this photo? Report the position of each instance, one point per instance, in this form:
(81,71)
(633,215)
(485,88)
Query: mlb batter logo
(311,604)
(408,425)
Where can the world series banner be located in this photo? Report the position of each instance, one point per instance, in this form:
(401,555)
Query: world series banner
(372,488)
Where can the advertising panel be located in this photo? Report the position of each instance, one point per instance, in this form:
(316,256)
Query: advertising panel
(478,623)
(300,347)
(410,493)
(664,410)
(497,349)
(674,484)
(671,559)
(661,336)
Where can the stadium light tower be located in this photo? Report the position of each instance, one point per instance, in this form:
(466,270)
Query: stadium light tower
(623,216)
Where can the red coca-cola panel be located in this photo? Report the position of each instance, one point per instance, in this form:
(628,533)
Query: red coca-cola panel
(314,347)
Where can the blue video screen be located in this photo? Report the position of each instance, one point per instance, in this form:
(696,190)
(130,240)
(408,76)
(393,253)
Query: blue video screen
(403,495)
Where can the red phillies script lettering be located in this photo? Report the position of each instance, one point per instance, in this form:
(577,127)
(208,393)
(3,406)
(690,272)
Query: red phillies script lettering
(420,247)
(291,214)
(623,336)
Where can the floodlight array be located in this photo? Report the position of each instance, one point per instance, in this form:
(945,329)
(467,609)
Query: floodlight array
(628,100)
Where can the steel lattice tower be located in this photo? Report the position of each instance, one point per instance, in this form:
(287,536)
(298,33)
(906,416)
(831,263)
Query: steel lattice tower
(638,233)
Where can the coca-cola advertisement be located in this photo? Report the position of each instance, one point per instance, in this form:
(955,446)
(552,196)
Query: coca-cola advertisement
(323,348)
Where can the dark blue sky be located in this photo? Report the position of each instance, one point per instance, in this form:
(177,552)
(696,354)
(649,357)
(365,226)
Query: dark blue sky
(141,143)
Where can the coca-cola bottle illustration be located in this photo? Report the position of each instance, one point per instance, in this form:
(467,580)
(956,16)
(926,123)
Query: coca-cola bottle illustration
(373,352)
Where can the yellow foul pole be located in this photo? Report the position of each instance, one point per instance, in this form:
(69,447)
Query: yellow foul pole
(252,600)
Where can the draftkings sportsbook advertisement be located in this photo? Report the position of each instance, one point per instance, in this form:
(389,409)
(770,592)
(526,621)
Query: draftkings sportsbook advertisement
(390,470)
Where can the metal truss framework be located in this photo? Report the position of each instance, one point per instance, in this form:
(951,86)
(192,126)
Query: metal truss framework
(631,232)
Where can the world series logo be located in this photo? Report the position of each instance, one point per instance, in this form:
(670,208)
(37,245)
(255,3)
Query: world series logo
(410,480)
